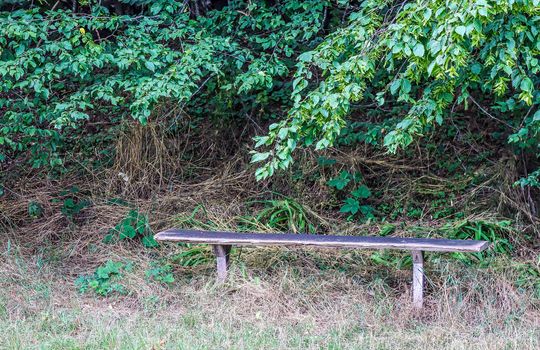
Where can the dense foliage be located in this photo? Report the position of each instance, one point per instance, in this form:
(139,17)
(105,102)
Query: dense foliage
(429,57)
(62,69)
(307,66)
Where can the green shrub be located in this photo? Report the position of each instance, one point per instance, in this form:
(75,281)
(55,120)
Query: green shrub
(420,60)
(325,72)
(61,70)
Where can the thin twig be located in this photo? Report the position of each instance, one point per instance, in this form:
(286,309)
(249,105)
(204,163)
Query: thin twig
(490,115)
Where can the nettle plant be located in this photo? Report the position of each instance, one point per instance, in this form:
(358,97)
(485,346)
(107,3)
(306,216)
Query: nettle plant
(355,192)
(430,57)
(134,226)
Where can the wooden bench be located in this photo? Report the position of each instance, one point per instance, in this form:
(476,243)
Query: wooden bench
(223,241)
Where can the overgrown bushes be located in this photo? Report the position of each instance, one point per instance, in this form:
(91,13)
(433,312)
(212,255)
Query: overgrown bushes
(401,69)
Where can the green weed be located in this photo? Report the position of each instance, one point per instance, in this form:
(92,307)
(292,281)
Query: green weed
(529,278)
(134,225)
(284,215)
(160,273)
(391,259)
(105,280)
(355,192)
(193,255)
(197,219)
(387,229)
(35,210)
(72,203)
(498,233)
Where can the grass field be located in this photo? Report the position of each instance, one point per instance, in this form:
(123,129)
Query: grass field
(274,299)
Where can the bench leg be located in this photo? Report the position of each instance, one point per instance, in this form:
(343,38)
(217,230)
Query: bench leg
(222,257)
(418,279)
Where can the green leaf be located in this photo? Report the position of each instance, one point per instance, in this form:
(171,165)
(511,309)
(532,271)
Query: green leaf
(259,157)
(150,66)
(361,192)
(419,50)
(526,85)
(476,68)
(149,242)
(366,210)
(405,86)
(351,206)
(283,132)
(427,14)
(341,181)
(396,84)
(127,232)
(306,56)
(109,238)
(461,30)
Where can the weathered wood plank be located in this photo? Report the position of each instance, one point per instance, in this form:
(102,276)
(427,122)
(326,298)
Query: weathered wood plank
(418,279)
(222,261)
(332,241)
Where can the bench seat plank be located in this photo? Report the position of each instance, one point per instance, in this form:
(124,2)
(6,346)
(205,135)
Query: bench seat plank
(332,241)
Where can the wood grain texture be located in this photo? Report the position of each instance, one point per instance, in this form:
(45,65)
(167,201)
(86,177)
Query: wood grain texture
(222,261)
(331,241)
(418,279)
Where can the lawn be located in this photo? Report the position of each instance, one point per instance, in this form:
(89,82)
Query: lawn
(274,299)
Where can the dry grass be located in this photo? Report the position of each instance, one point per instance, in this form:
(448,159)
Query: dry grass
(275,298)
